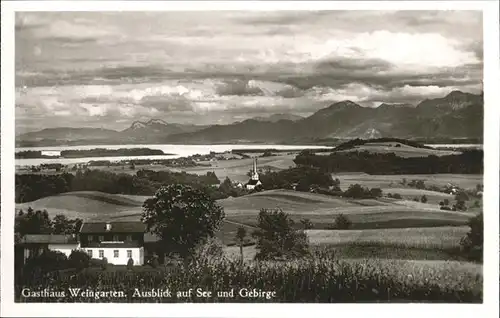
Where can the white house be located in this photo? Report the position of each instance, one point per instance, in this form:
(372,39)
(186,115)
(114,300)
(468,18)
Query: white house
(117,241)
(254,179)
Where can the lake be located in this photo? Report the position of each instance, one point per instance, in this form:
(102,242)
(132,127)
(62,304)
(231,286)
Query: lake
(177,151)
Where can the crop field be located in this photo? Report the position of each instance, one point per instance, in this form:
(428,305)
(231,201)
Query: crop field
(436,237)
(315,279)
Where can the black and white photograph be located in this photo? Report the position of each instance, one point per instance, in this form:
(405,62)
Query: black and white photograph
(241,156)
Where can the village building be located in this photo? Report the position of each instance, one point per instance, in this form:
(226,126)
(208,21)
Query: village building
(34,245)
(254,179)
(116,241)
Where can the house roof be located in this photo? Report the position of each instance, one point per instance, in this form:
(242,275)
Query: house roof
(111,245)
(48,239)
(253,182)
(116,227)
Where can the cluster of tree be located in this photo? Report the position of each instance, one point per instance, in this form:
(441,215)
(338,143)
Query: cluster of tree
(304,178)
(359,142)
(30,187)
(468,162)
(100,152)
(39,222)
(31,154)
(356,191)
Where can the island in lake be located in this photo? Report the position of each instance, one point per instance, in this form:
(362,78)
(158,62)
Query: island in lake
(97,152)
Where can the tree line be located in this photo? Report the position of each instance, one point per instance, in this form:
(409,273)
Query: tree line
(468,162)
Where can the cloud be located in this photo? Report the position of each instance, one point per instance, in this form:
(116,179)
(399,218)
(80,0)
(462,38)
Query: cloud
(95,67)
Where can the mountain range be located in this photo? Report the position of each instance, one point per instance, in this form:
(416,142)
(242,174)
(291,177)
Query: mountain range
(456,115)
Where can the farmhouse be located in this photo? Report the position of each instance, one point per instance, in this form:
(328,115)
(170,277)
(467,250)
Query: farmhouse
(116,241)
(254,179)
(35,244)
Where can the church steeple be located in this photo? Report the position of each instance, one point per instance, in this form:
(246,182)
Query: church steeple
(255,175)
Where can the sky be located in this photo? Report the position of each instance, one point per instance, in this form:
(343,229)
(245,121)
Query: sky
(108,69)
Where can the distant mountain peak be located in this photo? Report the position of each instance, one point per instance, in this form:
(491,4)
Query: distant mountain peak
(137,125)
(401,105)
(156,122)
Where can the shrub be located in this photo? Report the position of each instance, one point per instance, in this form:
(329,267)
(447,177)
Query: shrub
(444,207)
(472,243)
(47,261)
(104,263)
(209,252)
(375,192)
(397,196)
(342,222)
(462,196)
(130,264)
(460,206)
(423,199)
(79,259)
(306,223)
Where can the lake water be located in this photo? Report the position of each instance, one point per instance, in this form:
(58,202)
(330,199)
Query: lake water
(472,146)
(177,151)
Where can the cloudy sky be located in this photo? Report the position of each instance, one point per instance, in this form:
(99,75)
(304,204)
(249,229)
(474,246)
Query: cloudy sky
(106,70)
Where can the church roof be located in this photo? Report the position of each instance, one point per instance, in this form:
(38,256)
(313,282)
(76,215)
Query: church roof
(252,182)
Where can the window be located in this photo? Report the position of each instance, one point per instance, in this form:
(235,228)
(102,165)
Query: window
(129,237)
(90,238)
(129,253)
(90,253)
(101,238)
(101,253)
(115,238)
(116,254)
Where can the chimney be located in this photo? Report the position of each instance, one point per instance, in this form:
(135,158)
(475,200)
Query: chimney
(108,226)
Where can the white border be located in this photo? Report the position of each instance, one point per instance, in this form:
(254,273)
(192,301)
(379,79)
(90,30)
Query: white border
(491,177)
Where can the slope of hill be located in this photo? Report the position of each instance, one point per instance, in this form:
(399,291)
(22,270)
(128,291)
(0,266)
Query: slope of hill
(457,115)
(277,117)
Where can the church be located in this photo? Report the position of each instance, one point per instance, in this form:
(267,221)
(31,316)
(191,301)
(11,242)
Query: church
(254,179)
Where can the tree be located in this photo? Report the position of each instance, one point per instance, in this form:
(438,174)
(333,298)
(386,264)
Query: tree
(397,196)
(472,243)
(342,222)
(446,202)
(375,192)
(33,223)
(461,196)
(79,259)
(355,191)
(420,184)
(277,238)
(240,238)
(303,186)
(61,225)
(306,223)
(423,199)
(182,217)
(226,186)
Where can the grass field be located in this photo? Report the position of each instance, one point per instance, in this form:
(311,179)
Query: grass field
(387,182)
(321,210)
(400,150)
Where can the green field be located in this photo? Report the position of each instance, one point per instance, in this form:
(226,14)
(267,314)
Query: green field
(400,150)
(387,182)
